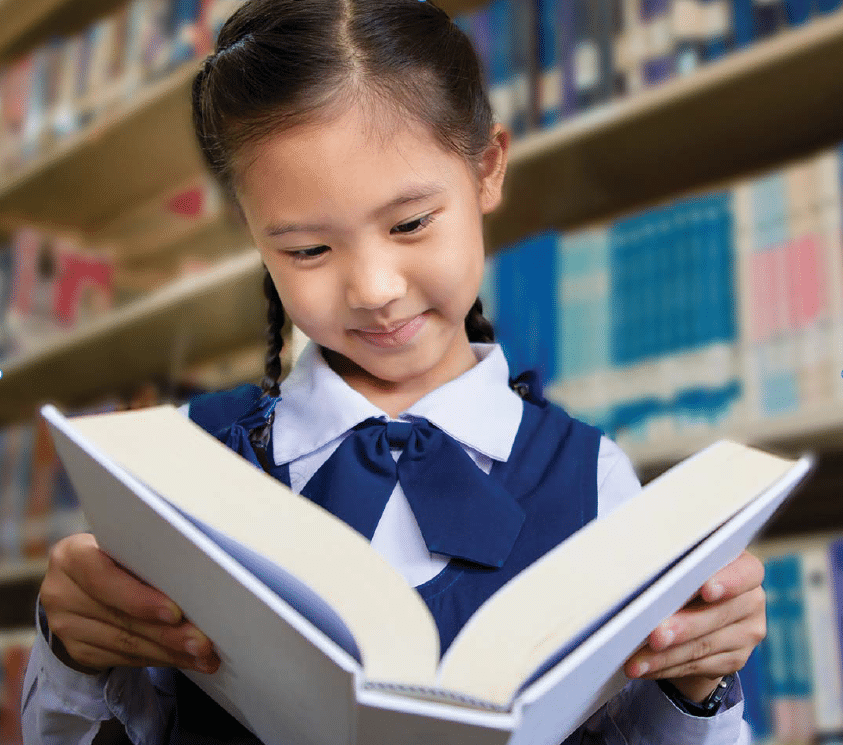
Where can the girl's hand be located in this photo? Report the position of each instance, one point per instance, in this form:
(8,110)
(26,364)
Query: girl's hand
(100,615)
(712,636)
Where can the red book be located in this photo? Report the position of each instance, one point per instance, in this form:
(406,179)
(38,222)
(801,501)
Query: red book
(84,284)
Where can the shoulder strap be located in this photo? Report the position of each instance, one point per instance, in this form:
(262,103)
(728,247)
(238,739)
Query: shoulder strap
(216,412)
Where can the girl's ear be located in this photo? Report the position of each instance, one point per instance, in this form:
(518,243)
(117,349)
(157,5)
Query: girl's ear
(493,168)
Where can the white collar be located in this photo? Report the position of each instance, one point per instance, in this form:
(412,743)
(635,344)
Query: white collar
(478,409)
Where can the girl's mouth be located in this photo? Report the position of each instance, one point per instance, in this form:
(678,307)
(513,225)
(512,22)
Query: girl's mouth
(397,336)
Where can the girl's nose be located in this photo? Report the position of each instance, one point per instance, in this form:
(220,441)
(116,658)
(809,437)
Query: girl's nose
(374,284)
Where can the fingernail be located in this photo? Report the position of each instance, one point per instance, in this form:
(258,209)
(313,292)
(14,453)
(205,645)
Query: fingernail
(667,637)
(715,592)
(642,668)
(168,614)
(192,646)
(204,666)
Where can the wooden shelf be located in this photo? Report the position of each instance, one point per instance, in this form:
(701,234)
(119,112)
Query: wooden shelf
(190,320)
(22,571)
(793,434)
(117,162)
(727,119)
(762,106)
(27,23)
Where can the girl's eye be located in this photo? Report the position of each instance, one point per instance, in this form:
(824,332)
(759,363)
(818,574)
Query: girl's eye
(414,225)
(308,253)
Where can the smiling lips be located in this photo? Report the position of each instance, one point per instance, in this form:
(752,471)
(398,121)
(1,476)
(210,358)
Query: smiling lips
(396,336)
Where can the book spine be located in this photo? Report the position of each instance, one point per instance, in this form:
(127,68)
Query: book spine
(184,30)
(768,18)
(660,63)
(501,91)
(744,31)
(63,119)
(40,493)
(778,650)
(756,695)
(567,56)
(549,72)
(824,641)
(36,104)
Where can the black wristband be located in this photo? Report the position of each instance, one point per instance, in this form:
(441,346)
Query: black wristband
(706,708)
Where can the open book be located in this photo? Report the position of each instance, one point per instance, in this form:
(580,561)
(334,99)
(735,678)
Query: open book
(321,641)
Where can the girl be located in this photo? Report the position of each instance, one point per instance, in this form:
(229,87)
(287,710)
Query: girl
(357,139)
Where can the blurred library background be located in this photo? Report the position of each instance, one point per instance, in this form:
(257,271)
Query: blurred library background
(668,257)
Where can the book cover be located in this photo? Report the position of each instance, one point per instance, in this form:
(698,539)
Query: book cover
(338,582)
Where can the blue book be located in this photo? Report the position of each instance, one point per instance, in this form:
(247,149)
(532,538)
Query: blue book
(756,694)
(526,298)
(797,11)
(777,649)
(827,6)
(567,57)
(549,68)
(582,308)
(501,92)
(183,29)
(744,32)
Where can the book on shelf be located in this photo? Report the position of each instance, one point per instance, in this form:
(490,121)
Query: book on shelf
(355,650)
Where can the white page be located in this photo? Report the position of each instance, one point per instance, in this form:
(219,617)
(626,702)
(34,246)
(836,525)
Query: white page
(279,675)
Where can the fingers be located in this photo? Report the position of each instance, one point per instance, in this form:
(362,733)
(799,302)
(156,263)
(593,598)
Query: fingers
(96,646)
(743,574)
(103,580)
(103,616)
(709,638)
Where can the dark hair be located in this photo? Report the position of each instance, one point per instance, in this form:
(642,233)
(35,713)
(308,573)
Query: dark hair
(279,63)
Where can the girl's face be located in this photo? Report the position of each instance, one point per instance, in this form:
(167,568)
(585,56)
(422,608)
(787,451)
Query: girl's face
(374,244)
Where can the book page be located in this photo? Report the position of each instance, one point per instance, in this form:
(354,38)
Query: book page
(545,607)
(392,626)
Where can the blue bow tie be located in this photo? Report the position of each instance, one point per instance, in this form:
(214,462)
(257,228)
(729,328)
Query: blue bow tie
(461,511)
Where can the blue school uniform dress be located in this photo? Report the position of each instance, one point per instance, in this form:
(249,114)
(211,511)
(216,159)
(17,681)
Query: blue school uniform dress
(541,469)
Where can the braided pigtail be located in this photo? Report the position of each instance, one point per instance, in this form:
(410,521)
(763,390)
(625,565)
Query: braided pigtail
(274,337)
(477,326)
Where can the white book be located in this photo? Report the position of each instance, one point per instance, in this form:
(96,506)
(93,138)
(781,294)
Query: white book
(321,641)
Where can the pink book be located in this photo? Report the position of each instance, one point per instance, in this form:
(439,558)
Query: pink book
(84,286)
(767,294)
(806,290)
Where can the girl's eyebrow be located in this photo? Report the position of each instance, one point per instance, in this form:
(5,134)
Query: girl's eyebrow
(415,193)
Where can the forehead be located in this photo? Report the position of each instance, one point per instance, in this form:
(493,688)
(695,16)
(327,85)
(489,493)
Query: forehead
(357,146)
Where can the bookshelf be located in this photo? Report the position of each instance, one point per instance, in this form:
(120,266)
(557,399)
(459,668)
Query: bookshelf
(187,321)
(573,173)
(619,156)
(682,136)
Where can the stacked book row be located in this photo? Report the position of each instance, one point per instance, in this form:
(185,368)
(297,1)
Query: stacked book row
(793,681)
(68,82)
(548,59)
(14,655)
(544,60)
(52,282)
(709,310)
